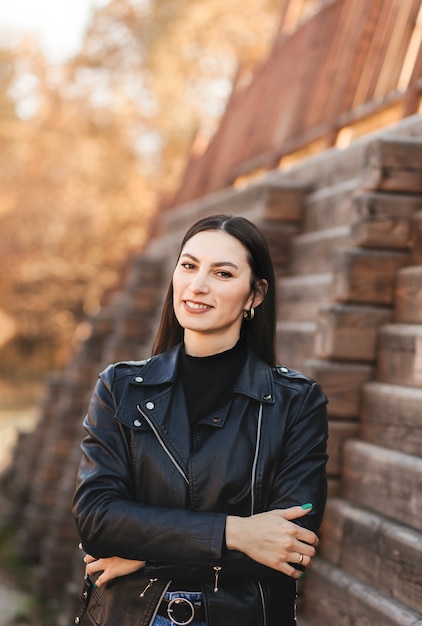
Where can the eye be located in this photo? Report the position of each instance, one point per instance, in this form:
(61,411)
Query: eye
(224,274)
(187,265)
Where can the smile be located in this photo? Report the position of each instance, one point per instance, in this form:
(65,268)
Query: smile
(198,306)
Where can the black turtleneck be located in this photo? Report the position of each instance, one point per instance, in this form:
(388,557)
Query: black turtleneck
(208,381)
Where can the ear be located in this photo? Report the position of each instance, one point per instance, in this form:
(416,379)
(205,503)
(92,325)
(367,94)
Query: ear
(261,289)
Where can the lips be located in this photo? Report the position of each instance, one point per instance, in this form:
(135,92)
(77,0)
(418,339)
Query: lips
(196,306)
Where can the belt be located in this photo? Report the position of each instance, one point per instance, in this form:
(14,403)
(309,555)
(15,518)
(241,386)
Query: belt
(181,611)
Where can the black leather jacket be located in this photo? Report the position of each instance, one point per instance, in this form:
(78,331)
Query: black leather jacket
(150,489)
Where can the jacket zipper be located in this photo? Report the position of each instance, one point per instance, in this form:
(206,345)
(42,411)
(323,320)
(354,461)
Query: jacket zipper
(141,595)
(163,445)
(253,482)
(255,460)
(264,612)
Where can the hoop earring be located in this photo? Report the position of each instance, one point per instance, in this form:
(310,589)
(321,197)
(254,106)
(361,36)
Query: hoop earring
(249,315)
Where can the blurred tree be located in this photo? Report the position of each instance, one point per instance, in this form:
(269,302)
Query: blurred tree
(88,148)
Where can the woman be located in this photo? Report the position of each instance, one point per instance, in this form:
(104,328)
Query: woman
(202,484)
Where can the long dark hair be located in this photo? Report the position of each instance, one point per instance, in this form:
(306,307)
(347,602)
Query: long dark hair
(259,333)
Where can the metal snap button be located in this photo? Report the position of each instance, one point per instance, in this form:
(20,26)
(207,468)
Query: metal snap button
(150,405)
(137,423)
(139,379)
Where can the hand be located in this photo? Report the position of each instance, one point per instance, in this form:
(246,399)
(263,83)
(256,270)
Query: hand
(111,567)
(273,539)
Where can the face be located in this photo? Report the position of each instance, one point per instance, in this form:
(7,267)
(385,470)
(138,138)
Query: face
(212,289)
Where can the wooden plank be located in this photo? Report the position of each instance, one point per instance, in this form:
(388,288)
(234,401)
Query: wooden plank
(331,596)
(339,432)
(372,63)
(384,219)
(284,201)
(416,239)
(357,31)
(365,275)
(342,382)
(295,343)
(400,354)
(349,332)
(394,164)
(330,206)
(375,550)
(408,300)
(300,297)
(279,236)
(391,417)
(314,253)
(385,481)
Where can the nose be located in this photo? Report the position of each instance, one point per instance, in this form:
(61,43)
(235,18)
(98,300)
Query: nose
(199,283)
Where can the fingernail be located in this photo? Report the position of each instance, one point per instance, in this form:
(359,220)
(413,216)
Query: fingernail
(307,506)
(95,585)
(303,575)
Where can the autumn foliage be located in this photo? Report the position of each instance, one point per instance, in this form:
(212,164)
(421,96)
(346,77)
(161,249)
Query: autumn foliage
(91,148)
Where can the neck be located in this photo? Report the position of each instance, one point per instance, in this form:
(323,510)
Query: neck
(200,345)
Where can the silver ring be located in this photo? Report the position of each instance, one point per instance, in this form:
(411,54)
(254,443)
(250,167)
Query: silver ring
(301,559)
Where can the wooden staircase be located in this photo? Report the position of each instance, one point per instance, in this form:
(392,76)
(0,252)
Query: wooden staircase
(345,232)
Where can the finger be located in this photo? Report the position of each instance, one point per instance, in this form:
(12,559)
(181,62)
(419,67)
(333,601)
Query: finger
(308,537)
(94,567)
(303,560)
(294,512)
(290,570)
(305,548)
(101,580)
(89,559)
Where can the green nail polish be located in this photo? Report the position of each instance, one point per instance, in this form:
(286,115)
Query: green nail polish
(95,585)
(306,507)
(303,575)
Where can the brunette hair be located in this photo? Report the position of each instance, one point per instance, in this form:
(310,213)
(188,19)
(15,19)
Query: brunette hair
(259,333)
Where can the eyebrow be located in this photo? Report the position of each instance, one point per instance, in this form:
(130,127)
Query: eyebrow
(217,264)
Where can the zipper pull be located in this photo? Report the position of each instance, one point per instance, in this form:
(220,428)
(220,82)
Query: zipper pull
(217,570)
(151,582)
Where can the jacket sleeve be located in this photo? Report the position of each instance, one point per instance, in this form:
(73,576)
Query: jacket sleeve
(110,522)
(300,478)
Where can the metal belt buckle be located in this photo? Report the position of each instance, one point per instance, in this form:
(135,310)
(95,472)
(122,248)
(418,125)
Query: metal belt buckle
(180,611)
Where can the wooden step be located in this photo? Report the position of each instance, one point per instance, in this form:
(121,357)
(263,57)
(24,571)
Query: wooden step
(342,382)
(295,343)
(384,219)
(314,253)
(391,417)
(278,200)
(366,276)
(330,206)
(408,300)
(349,332)
(340,431)
(333,597)
(416,239)
(394,164)
(279,236)
(266,204)
(300,297)
(373,549)
(400,354)
(385,481)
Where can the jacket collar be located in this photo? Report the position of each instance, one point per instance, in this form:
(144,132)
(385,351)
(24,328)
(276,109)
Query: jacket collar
(255,379)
